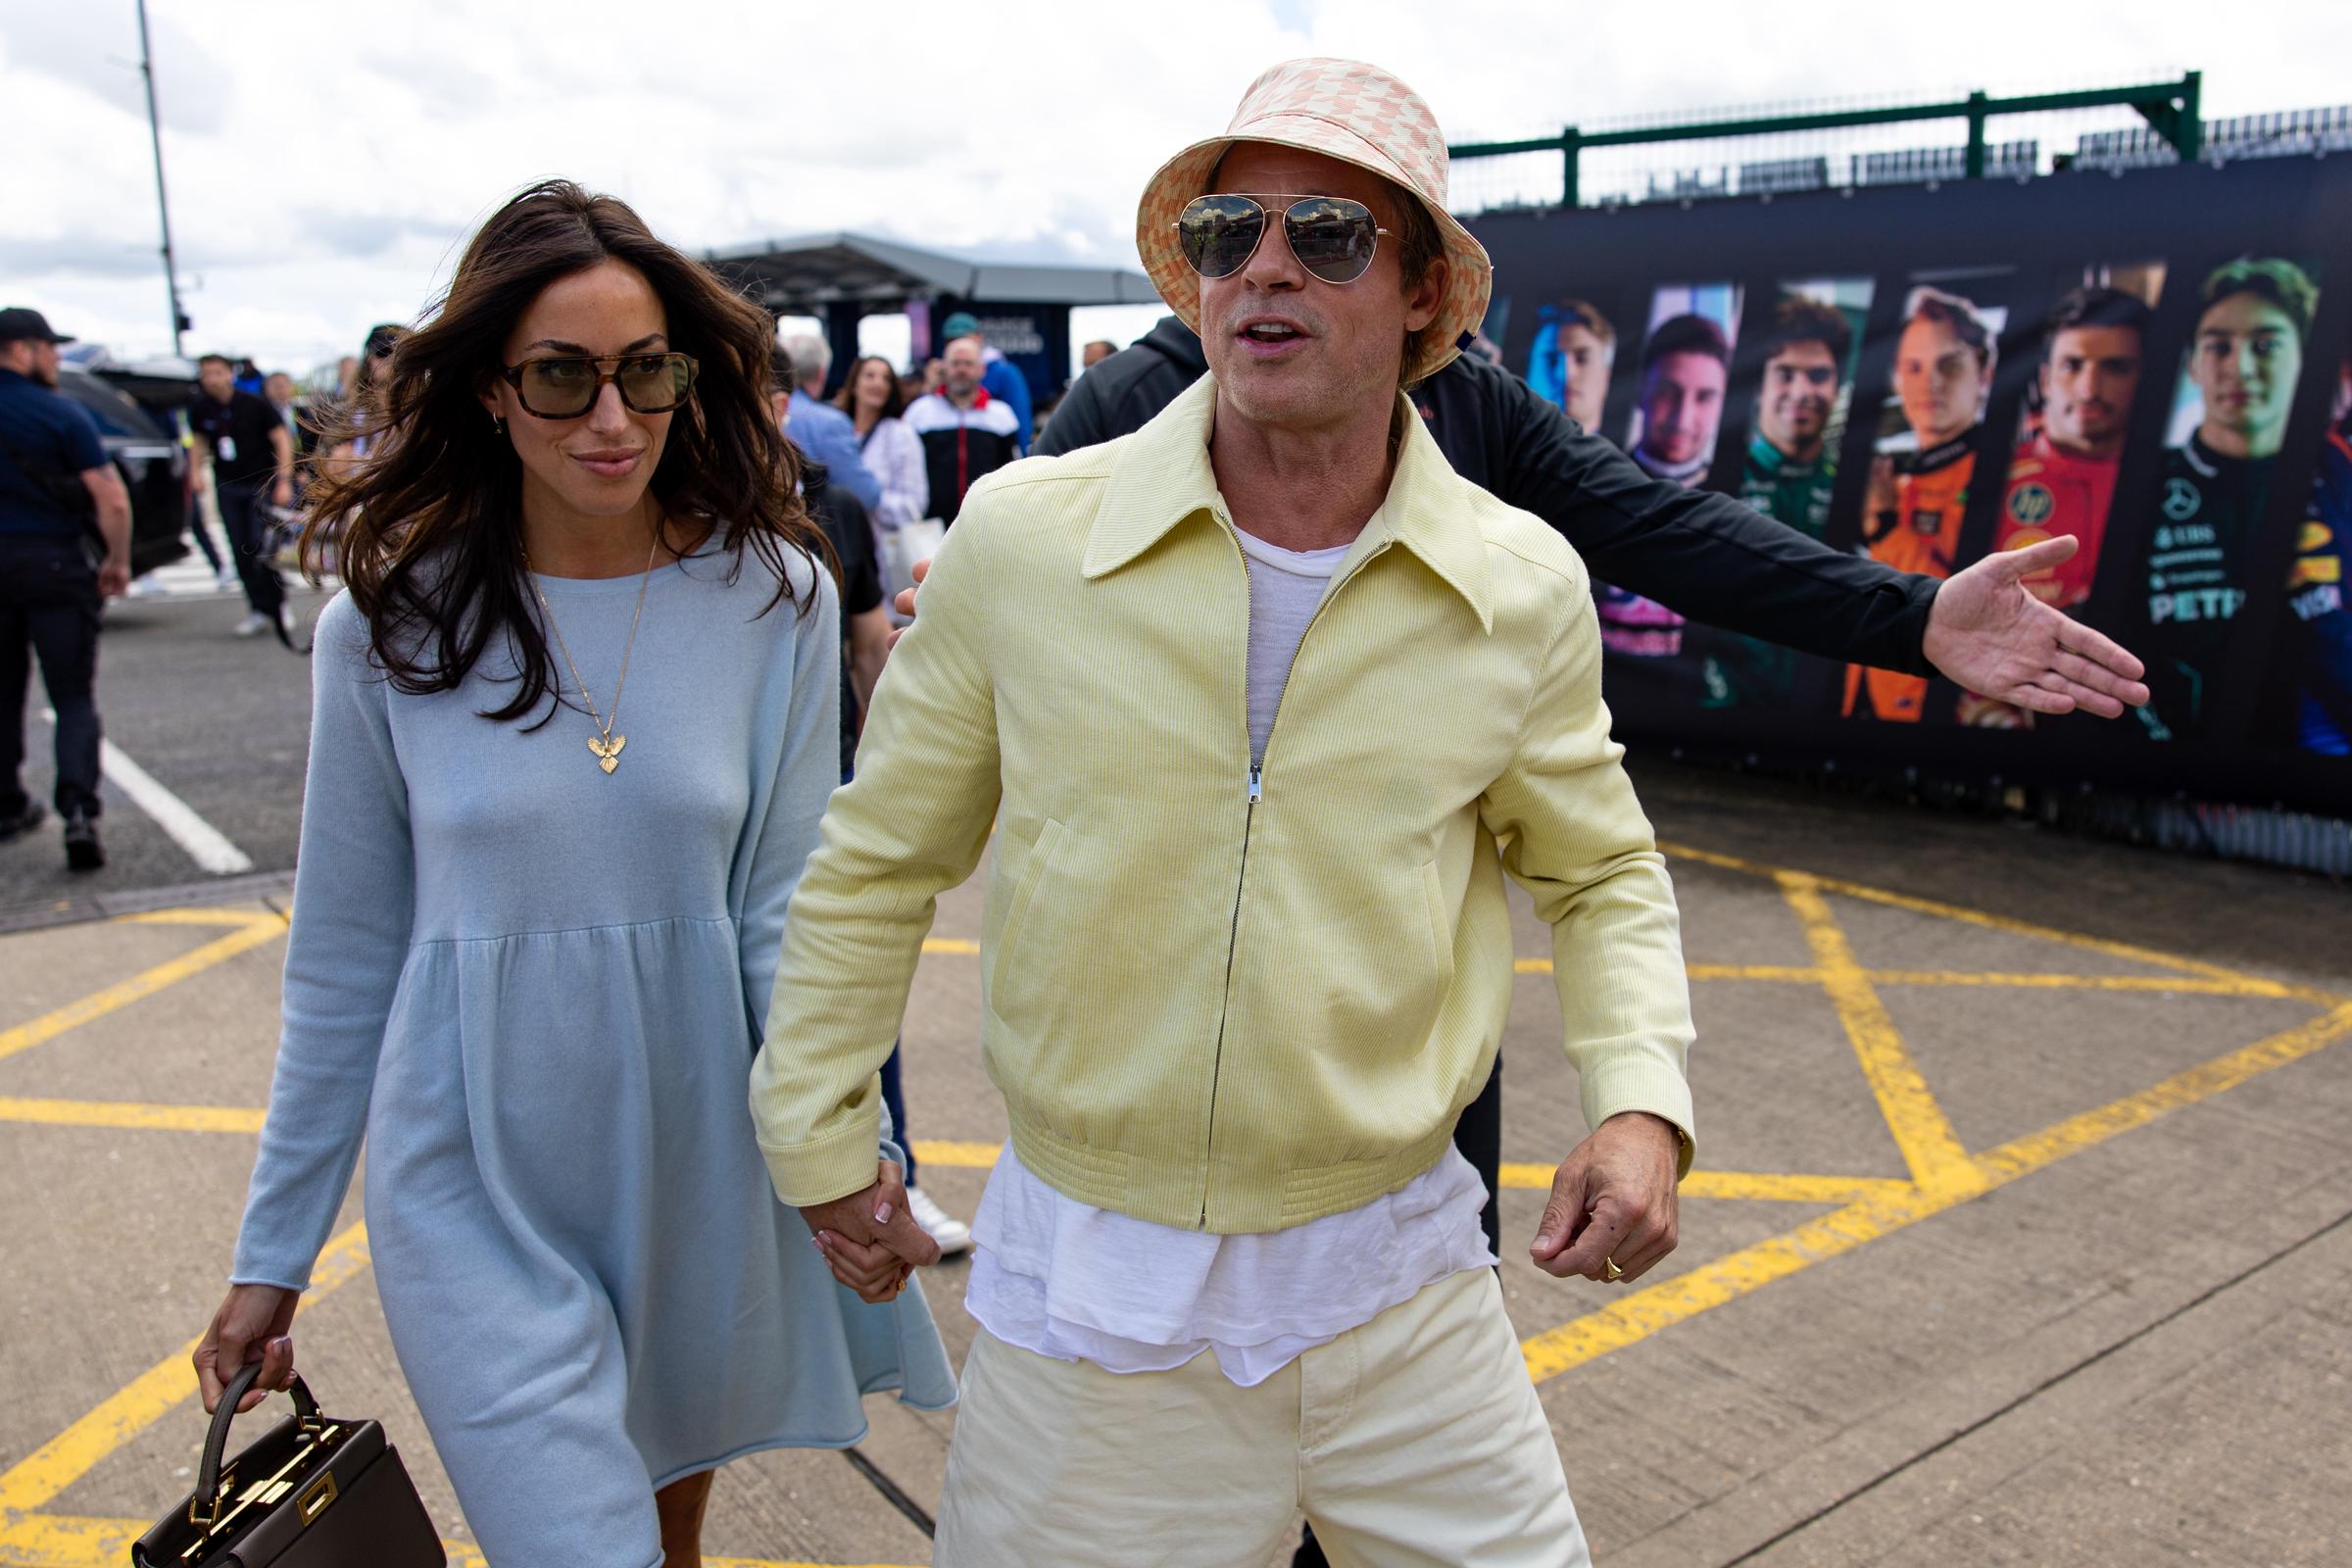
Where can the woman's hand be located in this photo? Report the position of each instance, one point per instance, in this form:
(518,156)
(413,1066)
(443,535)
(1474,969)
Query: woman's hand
(255,1317)
(869,1240)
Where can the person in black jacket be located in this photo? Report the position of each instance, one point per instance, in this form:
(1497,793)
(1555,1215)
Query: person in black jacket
(1709,556)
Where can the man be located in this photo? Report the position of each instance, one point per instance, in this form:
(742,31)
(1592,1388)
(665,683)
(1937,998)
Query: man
(1570,363)
(820,429)
(965,432)
(1708,556)
(2062,479)
(1096,352)
(2245,358)
(1686,366)
(250,455)
(1247,951)
(55,478)
(1943,369)
(1005,384)
(1790,474)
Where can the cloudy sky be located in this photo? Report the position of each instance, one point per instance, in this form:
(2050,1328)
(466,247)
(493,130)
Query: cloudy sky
(327,158)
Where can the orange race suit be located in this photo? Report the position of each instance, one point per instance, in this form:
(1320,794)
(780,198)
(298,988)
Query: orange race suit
(1920,532)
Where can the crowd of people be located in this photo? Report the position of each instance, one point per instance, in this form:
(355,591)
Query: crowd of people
(621,809)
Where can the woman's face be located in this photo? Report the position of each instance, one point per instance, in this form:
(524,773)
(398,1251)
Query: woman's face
(875,380)
(599,464)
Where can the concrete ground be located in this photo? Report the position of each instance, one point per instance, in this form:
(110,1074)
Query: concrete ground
(2018,1233)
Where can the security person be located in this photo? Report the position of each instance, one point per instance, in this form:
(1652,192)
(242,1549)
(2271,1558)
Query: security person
(56,484)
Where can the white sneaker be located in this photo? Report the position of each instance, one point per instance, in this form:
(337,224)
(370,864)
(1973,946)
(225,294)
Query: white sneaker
(252,625)
(952,1234)
(227,577)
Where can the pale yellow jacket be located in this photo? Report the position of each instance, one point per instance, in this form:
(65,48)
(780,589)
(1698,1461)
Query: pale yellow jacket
(1212,996)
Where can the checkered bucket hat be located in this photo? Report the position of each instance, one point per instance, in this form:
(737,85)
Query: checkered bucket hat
(1346,110)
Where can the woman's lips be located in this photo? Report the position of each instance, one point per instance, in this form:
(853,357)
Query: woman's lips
(607,465)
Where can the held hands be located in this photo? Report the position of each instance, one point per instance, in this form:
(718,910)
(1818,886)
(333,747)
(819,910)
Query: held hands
(254,1317)
(1989,634)
(1613,1200)
(869,1239)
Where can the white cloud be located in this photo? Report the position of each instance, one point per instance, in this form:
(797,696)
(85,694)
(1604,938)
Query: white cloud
(325,161)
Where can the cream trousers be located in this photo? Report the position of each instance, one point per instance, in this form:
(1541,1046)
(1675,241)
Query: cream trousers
(1414,1439)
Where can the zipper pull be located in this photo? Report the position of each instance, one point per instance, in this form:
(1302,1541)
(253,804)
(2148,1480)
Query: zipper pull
(1257,790)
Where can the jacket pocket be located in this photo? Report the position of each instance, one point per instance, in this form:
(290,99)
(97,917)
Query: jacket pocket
(1033,871)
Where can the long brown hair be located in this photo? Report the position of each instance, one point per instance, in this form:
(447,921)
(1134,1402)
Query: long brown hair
(845,399)
(426,531)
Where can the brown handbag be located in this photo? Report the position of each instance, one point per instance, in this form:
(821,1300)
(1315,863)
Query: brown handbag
(315,1492)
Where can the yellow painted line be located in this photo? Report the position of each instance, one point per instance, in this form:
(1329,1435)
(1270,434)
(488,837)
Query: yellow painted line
(134,1116)
(218,916)
(150,1396)
(2176,984)
(1644,1312)
(974,1156)
(1771,1187)
(932,945)
(256,930)
(1930,1149)
(1704,971)
(2125,950)
(61,1541)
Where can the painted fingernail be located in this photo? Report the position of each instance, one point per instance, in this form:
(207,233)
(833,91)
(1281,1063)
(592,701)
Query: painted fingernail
(882,1213)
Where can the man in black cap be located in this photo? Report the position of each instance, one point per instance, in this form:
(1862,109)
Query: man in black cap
(56,486)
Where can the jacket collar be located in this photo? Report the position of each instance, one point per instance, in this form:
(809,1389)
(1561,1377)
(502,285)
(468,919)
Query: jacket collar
(1162,478)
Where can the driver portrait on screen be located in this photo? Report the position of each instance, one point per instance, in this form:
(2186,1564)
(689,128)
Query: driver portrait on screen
(1574,350)
(1790,473)
(2062,478)
(1942,371)
(2245,358)
(1685,367)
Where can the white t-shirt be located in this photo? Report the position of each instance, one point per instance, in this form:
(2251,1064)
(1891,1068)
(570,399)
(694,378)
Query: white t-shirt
(1066,1279)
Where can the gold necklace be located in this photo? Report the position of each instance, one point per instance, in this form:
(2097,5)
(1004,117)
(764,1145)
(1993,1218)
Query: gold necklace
(604,744)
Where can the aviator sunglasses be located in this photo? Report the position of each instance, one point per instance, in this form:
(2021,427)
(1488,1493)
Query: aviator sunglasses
(567,388)
(1333,237)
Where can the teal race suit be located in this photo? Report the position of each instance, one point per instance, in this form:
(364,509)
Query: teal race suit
(1738,672)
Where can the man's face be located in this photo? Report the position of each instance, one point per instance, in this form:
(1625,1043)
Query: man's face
(1800,383)
(1682,404)
(1584,361)
(1940,381)
(280,388)
(32,359)
(2087,384)
(963,365)
(1289,350)
(2245,361)
(216,379)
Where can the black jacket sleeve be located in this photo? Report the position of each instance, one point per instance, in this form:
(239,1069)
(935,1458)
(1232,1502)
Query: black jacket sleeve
(1079,419)
(1710,556)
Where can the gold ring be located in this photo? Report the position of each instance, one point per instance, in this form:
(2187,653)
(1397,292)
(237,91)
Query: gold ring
(1609,1270)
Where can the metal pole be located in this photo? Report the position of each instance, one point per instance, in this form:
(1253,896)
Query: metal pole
(2189,137)
(1571,142)
(1973,162)
(163,203)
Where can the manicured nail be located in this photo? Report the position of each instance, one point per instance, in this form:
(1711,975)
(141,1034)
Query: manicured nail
(882,1213)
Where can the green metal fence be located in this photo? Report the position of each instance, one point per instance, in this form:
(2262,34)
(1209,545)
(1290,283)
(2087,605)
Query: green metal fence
(2170,108)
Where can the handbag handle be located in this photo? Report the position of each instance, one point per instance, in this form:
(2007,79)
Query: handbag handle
(204,1505)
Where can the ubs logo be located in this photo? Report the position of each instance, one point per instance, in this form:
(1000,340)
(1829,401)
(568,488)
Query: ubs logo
(2032,503)
(2181,499)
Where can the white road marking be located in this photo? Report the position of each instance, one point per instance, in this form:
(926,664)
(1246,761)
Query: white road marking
(205,844)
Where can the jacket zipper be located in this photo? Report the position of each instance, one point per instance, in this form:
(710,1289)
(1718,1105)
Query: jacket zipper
(1258,793)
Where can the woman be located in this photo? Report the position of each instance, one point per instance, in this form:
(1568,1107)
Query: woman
(573,726)
(871,398)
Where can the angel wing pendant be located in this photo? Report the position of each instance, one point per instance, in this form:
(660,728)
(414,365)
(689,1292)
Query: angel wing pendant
(607,752)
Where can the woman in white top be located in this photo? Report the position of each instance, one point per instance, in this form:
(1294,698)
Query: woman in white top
(871,398)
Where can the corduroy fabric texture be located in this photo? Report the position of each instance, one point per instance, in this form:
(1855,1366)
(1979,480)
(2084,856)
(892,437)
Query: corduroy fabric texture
(1204,1011)
(1346,110)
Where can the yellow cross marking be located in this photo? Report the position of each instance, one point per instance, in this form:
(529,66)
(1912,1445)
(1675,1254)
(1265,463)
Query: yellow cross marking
(1942,1172)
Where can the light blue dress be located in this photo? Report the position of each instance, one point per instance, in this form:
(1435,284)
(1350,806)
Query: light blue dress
(539,989)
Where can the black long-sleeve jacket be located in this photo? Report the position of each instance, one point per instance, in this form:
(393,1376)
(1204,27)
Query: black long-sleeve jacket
(1709,556)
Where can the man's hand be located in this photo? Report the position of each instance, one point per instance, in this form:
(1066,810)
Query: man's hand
(114,578)
(869,1240)
(1613,1199)
(281,494)
(904,601)
(1993,637)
